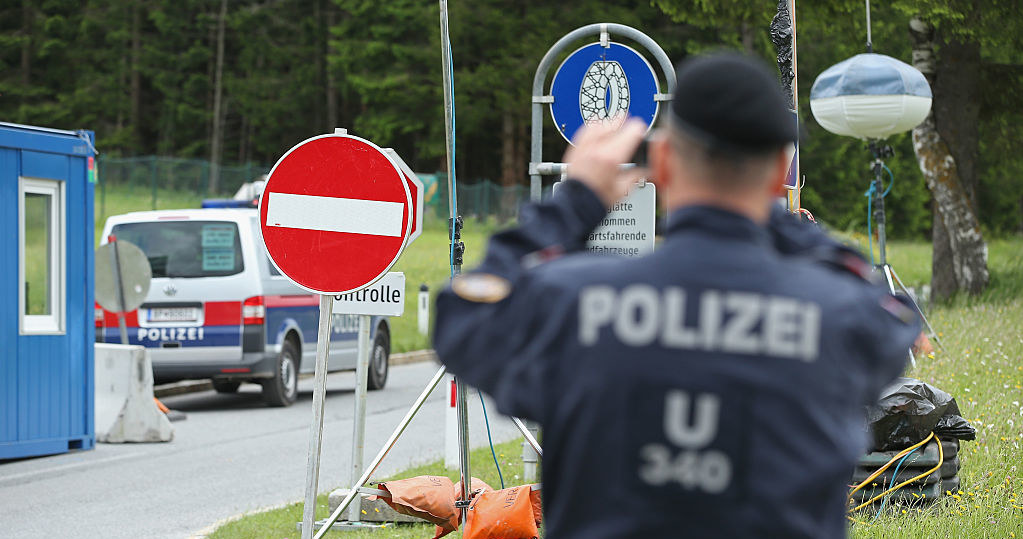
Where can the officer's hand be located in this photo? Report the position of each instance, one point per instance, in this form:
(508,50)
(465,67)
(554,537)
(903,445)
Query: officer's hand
(597,154)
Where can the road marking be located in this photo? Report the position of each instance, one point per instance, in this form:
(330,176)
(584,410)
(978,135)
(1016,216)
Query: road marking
(331,214)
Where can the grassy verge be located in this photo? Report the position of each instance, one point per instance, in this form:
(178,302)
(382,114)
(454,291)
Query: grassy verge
(280,523)
(981,364)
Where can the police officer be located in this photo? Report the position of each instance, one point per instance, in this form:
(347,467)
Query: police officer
(714,388)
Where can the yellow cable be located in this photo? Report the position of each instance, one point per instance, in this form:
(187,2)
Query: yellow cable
(941,460)
(881,470)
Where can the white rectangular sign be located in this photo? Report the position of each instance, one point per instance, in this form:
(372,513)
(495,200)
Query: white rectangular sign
(385,297)
(628,228)
(331,214)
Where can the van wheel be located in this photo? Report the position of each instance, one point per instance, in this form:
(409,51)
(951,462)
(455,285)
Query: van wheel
(378,360)
(282,389)
(226,386)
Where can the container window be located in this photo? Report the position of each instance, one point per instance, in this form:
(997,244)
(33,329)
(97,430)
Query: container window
(41,242)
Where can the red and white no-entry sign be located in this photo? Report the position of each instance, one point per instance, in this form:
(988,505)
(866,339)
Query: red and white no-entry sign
(336,213)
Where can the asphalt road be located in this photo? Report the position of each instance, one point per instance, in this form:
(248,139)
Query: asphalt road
(231,455)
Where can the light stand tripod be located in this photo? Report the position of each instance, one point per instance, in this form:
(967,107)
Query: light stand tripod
(877,193)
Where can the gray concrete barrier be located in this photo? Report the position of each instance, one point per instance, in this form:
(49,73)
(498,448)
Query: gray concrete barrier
(125,410)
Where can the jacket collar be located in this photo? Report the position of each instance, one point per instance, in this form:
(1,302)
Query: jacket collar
(716,221)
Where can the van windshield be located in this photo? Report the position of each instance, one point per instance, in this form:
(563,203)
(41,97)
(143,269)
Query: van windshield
(186,248)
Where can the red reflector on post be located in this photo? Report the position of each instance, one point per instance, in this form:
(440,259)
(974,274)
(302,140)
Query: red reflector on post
(253,311)
(454,393)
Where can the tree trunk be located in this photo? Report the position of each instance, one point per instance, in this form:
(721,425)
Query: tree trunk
(967,251)
(943,277)
(508,165)
(748,37)
(135,116)
(26,45)
(218,112)
(331,89)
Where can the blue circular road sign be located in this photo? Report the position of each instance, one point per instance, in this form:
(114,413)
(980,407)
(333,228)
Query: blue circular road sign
(596,84)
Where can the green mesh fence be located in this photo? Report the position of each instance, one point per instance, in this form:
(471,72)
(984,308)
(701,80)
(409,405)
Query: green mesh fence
(481,200)
(171,173)
(149,180)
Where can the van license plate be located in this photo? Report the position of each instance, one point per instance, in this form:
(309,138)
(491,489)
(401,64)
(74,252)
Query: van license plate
(173,314)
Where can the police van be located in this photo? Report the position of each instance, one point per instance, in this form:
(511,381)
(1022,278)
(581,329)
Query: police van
(218,309)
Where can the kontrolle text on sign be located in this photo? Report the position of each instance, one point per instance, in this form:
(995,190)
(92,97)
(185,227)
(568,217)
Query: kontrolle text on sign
(385,297)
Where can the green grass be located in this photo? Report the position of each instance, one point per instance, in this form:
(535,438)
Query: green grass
(280,523)
(37,254)
(981,364)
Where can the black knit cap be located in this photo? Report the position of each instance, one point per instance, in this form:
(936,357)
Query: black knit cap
(733,103)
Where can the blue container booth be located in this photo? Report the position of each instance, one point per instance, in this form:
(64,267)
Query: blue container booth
(46,290)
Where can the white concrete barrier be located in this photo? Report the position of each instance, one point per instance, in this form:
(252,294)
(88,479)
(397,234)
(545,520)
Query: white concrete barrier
(125,410)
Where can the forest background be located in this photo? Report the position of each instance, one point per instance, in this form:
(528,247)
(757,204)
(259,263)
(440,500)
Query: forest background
(241,81)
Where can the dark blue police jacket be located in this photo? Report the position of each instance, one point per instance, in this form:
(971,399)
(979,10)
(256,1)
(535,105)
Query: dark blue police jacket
(714,388)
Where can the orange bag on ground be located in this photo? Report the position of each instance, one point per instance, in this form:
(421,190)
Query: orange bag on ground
(476,486)
(534,500)
(429,497)
(501,514)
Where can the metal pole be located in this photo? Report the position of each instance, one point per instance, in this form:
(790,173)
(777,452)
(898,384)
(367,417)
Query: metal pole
(870,42)
(530,439)
(354,491)
(116,264)
(923,317)
(449,137)
(449,134)
(879,214)
(312,467)
(530,450)
(887,270)
(461,410)
(359,429)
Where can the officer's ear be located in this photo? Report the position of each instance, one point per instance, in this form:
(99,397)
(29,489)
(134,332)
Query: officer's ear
(659,159)
(780,171)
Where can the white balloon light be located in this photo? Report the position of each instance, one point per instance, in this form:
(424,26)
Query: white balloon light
(870,96)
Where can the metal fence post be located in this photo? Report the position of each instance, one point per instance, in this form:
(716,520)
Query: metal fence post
(152,177)
(486,199)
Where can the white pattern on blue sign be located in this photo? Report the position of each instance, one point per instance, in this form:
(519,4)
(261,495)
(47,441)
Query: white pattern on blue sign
(596,84)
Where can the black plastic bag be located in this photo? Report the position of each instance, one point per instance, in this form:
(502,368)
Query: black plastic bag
(908,410)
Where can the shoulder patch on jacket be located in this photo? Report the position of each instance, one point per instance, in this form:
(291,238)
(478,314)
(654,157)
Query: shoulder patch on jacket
(480,287)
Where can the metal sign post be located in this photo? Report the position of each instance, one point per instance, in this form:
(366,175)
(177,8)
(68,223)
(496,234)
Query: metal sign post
(337,201)
(312,468)
(115,264)
(359,428)
(596,83)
